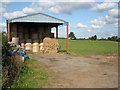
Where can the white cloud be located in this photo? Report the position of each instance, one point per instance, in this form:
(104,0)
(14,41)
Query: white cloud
(111,0)
(13,15)
(2,25)
(61,7)
(50,6)
(89,30)
(68,7)
(104,7)
(28,10)
(2,10)
(25,11)
(3,6)
(114,12)
(98,21)
(111,20)
(96,26)
(47,3)
(79,25)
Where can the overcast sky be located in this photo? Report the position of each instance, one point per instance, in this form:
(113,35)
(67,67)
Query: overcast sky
(85,17)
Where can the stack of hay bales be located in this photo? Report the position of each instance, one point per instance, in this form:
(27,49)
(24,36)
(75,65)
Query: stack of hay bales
(14,30)
(26,33)
(35,47)
(35,37)
(52,35)
(15,40)
(50,45)
(20,34)
(35,40)
(22,45)
(28,44)
(41,46)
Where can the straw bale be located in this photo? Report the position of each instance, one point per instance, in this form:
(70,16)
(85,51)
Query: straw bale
(35,41)
(20,35)
(20,29)
(22,41)
(26,36)
(41,29)
(35,36)
(50,44)
(28,41)
(14,34)
(14,28)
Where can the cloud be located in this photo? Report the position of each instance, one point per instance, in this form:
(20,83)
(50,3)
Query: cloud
(25,11)
(95,26)
(98,21)
(65,7)
(3,6)
(111,20)
(114,12)
(79,25)
(68,7)
(89,30)
(13,14)
(2,10)
(28,10)
(3,25)
(49,6)
(104,7)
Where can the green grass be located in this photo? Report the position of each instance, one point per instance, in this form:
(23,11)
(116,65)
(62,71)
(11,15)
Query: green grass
(88,47)
(33,75)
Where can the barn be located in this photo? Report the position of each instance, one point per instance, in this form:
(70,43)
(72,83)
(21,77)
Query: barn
(34,28)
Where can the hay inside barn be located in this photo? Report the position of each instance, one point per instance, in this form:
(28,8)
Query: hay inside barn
(33,32)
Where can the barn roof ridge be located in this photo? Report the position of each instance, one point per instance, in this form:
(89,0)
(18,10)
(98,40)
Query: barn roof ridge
(37,14)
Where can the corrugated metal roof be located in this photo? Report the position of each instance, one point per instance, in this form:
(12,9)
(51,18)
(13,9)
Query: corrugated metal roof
(38,18)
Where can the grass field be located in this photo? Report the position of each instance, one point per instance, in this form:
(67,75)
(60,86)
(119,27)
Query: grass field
(88,47)
(33,75)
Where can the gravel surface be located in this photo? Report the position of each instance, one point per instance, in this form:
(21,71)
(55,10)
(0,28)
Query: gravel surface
(81,72)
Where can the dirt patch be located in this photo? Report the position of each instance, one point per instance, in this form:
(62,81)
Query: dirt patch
(82,72)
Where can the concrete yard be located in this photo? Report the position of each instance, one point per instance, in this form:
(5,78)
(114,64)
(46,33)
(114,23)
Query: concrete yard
(80,71)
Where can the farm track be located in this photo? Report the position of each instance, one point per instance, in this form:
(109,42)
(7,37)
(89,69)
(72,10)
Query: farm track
(81,72)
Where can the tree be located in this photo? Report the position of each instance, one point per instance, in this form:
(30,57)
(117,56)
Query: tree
(93,37)
(113,38)
(72,36)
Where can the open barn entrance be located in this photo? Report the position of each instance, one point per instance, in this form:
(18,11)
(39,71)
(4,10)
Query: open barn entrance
(33,29)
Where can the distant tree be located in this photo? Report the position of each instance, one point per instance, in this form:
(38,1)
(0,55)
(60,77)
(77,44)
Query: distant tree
(109,38)
(72,36)
(93,37)
(113,38)
(118,39)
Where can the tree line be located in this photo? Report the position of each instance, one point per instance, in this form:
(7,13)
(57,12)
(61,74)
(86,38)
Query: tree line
(112,38)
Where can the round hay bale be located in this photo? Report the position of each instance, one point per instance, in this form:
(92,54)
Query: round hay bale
(22,41)
(26,36)
(22,45)
(15,40)
(20,35)
(28,46)
(35,41)
(41,46)
(28,41)
(35,47)
(35,36)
